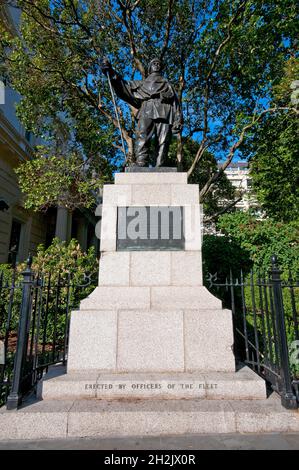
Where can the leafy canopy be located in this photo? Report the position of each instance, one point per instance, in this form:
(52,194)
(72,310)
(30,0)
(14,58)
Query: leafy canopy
(49,180)
(224,58)
(273,152)
(275,168)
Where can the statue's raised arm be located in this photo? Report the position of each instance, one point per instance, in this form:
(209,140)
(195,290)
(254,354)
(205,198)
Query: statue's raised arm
(121,87)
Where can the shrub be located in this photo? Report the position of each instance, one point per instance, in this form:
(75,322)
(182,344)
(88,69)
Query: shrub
(65,274)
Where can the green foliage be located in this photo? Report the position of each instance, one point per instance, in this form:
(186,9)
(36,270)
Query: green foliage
(275,168)
(223,192)
(65,264)
(59,181)
(8,279)
(284,90)
(265,329)
(273,150)
(224,57)
(248,243)
(62,268)
(263,238)
(220,254)
(62,258)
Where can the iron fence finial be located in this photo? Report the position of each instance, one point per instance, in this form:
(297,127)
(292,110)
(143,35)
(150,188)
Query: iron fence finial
(274,261)
(29,260)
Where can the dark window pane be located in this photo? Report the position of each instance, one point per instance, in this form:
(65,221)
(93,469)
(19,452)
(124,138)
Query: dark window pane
(14,243)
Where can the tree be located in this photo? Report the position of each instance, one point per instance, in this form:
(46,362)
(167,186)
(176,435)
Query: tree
(224,57)
(224,196)
(275,168)
(68,181)
(273,152)
(261,239)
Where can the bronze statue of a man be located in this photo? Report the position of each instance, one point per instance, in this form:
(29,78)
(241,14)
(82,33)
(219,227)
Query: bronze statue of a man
(158,110)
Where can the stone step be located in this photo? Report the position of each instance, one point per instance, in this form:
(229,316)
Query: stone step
(165,297)
(244,384)
(122,418)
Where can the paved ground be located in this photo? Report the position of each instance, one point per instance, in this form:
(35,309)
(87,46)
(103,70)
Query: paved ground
(199,442)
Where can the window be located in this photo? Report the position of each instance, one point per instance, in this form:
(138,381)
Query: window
(14,244)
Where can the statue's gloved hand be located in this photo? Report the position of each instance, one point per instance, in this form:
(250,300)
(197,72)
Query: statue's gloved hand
(106,66)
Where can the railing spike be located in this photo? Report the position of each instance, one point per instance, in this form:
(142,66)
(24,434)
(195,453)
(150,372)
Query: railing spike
(29,261)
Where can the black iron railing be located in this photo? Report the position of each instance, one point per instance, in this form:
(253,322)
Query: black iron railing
(35,310)
(265,310)
(34,321)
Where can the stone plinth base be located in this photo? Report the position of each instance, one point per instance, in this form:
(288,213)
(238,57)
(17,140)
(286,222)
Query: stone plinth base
(151,323)
(244,384)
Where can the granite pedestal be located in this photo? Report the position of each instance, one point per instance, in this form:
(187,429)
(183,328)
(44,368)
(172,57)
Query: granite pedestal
(150,350)
(150,320)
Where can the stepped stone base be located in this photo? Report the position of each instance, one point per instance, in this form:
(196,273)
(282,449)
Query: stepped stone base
(150,350)
(244,384)
(151,330)
(120,418)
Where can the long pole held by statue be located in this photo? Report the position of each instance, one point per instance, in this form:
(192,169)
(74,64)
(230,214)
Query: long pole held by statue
(117,116)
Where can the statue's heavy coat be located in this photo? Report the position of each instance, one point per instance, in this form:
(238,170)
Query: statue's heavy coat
(158,111)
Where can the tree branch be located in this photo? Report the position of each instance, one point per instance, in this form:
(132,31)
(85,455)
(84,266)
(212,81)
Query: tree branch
(51,19)
(78,21)
(255,119)
(127,22)
(135,4)
(224,209)
(46,15)
(167,31)
(221,46)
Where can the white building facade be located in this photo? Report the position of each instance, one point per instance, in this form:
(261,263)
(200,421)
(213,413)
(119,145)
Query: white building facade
(238,174)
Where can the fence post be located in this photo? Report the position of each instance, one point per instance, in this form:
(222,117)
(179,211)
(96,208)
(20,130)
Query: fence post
(288,398)
(15,396)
